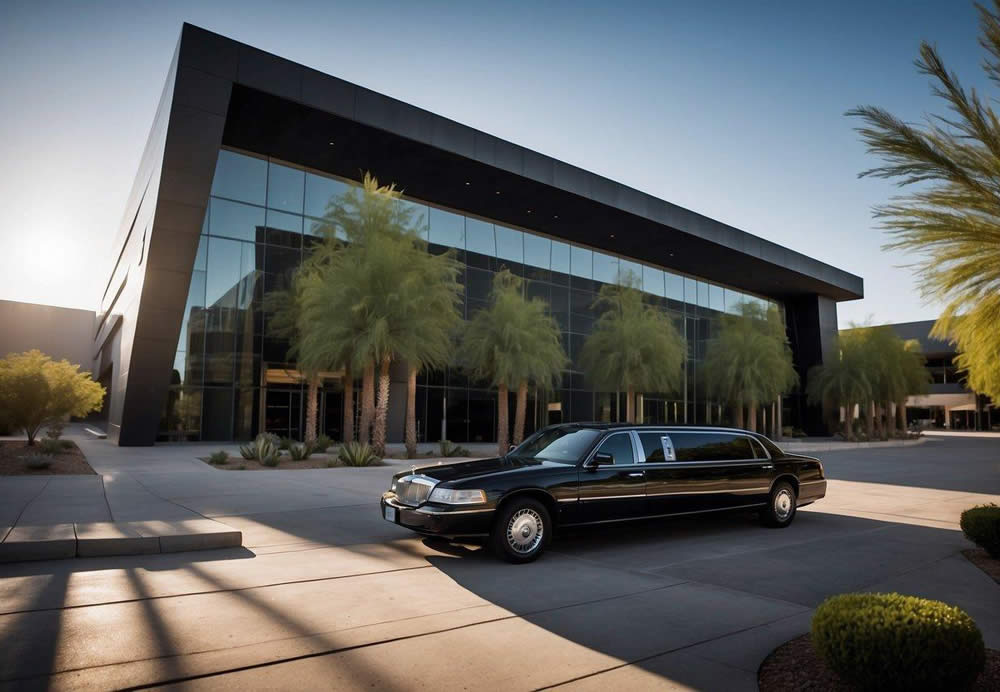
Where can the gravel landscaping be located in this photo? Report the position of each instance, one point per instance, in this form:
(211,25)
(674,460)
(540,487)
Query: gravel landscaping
(795,666)
(315,461)
(981,559)
(69,461)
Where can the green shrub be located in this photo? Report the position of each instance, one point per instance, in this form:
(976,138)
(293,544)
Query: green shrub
(981,525)
(299,451)
(895,642)
(450,449)
(219,458)
(285,443)
(54,431)
(262,449)
(50,446)
(273,439)
(358,454)
(67,444)
(37,462)
(322,443)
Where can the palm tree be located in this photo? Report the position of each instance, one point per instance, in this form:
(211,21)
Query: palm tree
(380,296)
(750,361)
(512,343)
(952,220)
(633,348)
(915,379)
(842,382)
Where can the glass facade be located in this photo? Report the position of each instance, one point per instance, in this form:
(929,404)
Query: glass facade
(231,380)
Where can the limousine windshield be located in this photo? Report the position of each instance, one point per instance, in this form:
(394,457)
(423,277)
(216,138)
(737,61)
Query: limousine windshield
(565,445)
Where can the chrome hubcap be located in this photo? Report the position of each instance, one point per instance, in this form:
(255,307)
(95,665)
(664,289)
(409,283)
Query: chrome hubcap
(524,531)
(783,504)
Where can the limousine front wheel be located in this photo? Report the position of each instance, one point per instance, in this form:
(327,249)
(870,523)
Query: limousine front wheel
(522,531)
(780,507)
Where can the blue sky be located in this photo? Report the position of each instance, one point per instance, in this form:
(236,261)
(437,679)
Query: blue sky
(732,109)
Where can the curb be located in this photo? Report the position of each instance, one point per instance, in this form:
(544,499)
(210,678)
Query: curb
(102,539)
(794,447)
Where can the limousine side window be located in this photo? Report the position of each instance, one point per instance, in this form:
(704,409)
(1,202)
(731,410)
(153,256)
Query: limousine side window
(708,446)
(652,446)
(758,450)
(619,446)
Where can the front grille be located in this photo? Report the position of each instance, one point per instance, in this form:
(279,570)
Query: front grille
(414,490)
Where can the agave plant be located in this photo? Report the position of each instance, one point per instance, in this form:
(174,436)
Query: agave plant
(450,449)
(300,451)
(322,443)
(358,454)
(262,449)
(36,462)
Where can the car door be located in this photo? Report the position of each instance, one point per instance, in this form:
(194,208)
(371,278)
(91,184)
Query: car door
(696,471)
(617,490)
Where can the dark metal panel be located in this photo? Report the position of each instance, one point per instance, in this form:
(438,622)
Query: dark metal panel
(269,73)
(328,93)
(451,136)
(202,90)
(209,52)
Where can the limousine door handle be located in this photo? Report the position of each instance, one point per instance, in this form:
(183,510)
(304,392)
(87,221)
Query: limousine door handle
(768,466)
(637,474)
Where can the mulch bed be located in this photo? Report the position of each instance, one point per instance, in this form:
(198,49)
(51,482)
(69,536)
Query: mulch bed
(795,665)
(68,462)
(316,461)
(981,559)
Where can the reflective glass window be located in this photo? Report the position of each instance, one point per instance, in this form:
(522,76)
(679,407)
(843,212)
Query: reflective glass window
(510,244)
(241,177)
(629,268)
(702,294)
(285,188)
(320,227)
(479,237)
(223,275)
(733,300)
(201,257)
(605,268)
(537,251)
(716,298)
(235,220)
(414,216)
(619,446)
(692,446)
(581,262)
(560,257)
(674,286)
(323,195)
(652,281)
(690,291)
(446,228)
(283,229)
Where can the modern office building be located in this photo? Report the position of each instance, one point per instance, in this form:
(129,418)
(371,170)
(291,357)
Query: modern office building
(948,404)
(246,153)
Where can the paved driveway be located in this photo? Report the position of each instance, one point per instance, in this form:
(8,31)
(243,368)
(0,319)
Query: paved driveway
(327,595)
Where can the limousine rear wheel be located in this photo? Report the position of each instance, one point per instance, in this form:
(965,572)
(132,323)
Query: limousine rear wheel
(522,530)
(780,507)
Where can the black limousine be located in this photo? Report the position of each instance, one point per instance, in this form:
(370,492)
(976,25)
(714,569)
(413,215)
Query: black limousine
(590,473)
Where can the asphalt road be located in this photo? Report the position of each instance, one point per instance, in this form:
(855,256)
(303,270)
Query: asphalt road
(326,595)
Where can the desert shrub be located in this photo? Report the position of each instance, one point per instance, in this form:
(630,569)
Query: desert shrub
(219,458)
(262,449)
(67,444)
(895,642)
(358,454)
(450,449)
(300,451)
(981,525)
(37,462)
(285,443)
(54,431)
(322,443)
(273,439)
(50,446)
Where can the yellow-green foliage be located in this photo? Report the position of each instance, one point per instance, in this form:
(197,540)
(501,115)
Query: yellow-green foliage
(893,642)
(358,454)
(952,219)
(981,525)
(36,390)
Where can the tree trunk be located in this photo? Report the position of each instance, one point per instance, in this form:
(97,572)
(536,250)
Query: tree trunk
(411,413)
(778,428)
(312,406)
(381,408)
(739,414)
(870,420)
(848,410)
(752,411)
(630,406)
(887,420)
(348,406)
(502,426)
(519,412)
(367,404)
(708,413)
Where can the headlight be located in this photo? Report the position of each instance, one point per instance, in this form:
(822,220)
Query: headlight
(449,496)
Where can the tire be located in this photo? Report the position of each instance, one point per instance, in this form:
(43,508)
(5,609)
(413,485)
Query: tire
(521,531)
(780,510)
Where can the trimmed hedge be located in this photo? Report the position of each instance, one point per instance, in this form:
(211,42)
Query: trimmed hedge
(981,525)
(896,642)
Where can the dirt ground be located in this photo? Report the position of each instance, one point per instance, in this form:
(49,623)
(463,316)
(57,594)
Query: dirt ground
(69,461)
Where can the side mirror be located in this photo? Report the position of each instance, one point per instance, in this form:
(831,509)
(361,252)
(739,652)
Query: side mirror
(512,448)
(601,459)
